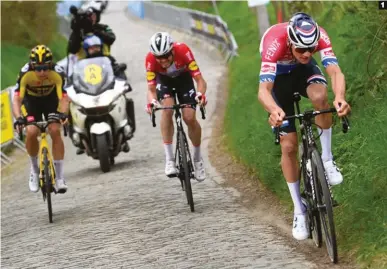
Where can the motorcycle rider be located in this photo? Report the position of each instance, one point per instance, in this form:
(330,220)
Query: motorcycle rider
(92,46)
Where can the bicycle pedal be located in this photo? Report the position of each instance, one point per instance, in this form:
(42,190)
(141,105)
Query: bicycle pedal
(172,175)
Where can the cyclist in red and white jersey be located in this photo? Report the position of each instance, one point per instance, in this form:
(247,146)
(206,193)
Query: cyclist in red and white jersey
(287,66)
(171,66)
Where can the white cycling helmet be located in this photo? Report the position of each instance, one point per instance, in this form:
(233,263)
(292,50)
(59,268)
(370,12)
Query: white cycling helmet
(303,31)
(160,44)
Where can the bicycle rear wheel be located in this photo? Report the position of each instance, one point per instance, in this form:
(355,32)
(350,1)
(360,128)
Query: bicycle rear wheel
(186,173)
(324,201)
(47,183)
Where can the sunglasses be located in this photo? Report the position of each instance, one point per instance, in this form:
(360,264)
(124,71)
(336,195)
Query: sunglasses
(303,50)
(41,67)
(166,56)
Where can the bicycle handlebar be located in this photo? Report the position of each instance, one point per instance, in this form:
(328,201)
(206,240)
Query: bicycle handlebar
(312,114)
(42,125)
(175,107)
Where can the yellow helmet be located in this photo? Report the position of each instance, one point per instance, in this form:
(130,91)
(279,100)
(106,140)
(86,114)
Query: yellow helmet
(40,54)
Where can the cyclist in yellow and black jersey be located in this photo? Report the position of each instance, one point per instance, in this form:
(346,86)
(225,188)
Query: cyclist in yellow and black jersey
(40,91)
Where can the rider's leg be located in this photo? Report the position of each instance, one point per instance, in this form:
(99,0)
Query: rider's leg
(317,93)
(31,110)
(167,129)
(194,131)
(165,97)
(58,153)
(283,95)
(186,95)
(32,147)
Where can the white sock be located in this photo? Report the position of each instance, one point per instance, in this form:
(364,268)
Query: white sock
(59,168)
(34,163)
(326,139)
(197,154)
(169,151)
(294,189)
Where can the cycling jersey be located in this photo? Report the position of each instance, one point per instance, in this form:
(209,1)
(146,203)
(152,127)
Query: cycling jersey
(183,61)
(28,84)
(276,52)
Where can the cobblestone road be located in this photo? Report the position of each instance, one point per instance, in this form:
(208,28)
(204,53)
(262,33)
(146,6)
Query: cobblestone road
(133,216)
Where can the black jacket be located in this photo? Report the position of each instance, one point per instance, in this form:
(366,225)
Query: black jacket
(103,31)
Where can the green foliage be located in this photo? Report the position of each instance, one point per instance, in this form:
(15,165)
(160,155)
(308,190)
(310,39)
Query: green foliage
(352,26)
(14,57)
(28,22)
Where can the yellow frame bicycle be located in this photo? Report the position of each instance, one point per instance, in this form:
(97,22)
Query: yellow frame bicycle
(47,173)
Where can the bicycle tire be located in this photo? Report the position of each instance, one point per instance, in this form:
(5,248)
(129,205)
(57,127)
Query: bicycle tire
(324,199)
(186,173)
(313,214)
(47,183)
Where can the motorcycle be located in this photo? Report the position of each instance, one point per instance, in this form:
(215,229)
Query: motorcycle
(102,117)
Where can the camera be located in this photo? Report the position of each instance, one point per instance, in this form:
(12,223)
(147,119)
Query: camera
(81,20)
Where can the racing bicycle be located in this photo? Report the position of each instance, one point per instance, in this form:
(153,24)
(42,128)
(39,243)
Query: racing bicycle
(184,162)
(316,194)
(46,165)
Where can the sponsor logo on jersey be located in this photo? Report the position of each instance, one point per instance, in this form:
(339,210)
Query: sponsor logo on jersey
(268,68)
(189,56)
(325,38)
(193,66)
(150,75)
(271,50)
(329,52)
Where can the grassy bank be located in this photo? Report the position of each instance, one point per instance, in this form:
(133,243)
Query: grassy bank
(15,56)
(361,220)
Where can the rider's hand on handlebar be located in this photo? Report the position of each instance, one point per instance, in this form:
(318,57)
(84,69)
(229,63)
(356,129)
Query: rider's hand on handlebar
(342,107)
(59,116)
(19,123)
(276,117)
(201,98)
(149,106)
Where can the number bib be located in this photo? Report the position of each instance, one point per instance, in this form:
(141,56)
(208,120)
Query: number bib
(93,74)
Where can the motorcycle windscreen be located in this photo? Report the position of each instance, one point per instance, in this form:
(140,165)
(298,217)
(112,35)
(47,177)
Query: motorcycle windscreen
(93,76)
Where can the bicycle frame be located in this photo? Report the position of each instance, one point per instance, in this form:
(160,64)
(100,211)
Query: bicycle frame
(44,145)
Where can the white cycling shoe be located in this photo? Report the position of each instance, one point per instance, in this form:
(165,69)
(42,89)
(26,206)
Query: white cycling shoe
(170,169)
(60,185)
(300,227)
(333,173)
(200,171)
(33,182)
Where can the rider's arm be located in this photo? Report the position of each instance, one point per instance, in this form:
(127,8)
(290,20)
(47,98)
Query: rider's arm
(265,96)
(19,92)
(74,43)
(151,93)
(105,33)
(194,68)
(201,83)
(150,66)
(64,101)
(338,80)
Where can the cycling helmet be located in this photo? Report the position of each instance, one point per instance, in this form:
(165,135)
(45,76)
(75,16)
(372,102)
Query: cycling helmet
(160,44)
(40,54)
(303,31)
(90,41)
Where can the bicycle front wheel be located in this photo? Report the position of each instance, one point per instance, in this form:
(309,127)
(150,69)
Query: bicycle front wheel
(47,183)
(186,173)
(324,201)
